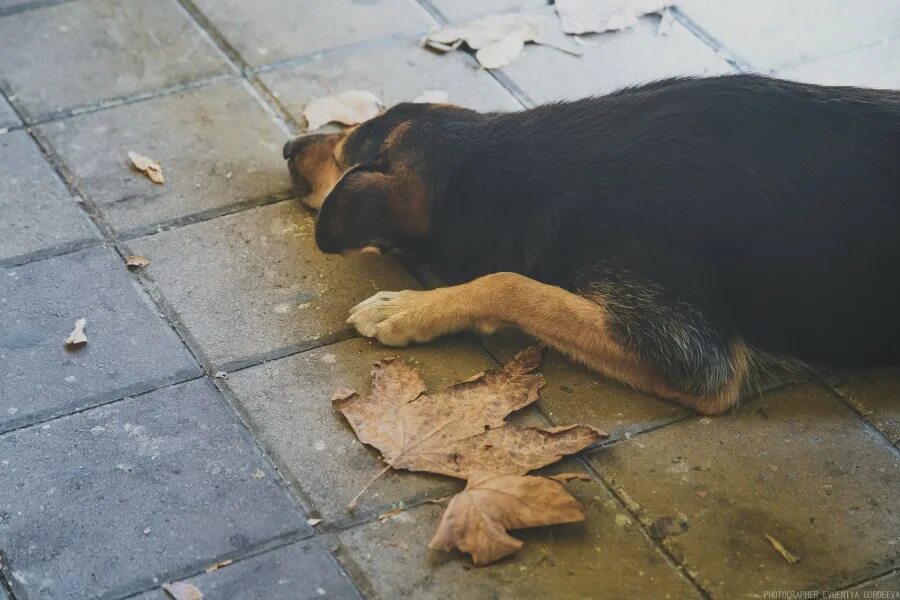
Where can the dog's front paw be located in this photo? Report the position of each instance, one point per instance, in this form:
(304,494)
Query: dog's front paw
(399,318)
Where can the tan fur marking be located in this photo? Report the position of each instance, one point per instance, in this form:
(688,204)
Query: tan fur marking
(317,165)
(571,324)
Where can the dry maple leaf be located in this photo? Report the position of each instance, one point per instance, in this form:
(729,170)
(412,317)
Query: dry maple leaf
(136,261)
(348,108)
(462,429)
(77,337)
(477,519)
(180,590)
(150,167)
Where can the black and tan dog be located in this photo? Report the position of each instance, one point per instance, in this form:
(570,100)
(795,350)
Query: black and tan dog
(674,236)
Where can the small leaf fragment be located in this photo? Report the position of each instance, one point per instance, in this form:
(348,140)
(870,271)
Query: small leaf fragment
(477,519)
(784,552)
(313,522)
(347,108)
(151,168)
(136,261)
(218,565)
(77,338)
(180,590)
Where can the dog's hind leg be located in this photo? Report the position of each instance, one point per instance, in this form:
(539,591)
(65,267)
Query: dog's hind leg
(597,332)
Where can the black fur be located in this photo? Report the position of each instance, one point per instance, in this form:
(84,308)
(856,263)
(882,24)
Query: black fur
(702,211)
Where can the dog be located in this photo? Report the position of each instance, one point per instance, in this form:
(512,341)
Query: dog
(677,236)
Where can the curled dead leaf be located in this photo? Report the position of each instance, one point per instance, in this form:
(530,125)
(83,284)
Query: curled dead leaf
(77,337)
(597,16)
(218,565)
(347,108)
(148,166)
(497,40)
(180,590)
(477,519)
(135,261)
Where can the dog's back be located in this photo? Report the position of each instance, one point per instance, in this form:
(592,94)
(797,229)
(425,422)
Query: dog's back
(772,206)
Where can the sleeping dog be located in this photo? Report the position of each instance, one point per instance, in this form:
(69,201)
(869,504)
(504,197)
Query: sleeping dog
(677,236)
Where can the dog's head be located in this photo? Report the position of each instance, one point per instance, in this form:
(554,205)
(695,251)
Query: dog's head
(376,184)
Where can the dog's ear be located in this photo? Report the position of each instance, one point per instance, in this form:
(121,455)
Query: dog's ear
(368,207)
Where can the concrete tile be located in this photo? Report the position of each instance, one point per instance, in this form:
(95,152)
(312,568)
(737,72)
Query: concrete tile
(254,282)
(301,571)
(64,55)
(605,556)
(458,11)
(8,117)
(803,469)
(573,394)
(129,350)
(38,212)
(208,160)
(771,34)
(612,61)
(287,405)
(100,503)
(267,30)
(875,393)
(396,72)
(873,66)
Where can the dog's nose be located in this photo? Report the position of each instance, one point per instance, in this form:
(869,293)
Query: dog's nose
(292,147)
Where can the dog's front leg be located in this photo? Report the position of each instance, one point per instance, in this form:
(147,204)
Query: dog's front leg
(572,324)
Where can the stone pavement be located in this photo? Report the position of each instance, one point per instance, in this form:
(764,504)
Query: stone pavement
(128,463)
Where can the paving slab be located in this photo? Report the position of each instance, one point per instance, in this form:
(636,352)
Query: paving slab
(605,556)
(796,464)
(101,502)
(395,71)
(457,11)
(266,31)
(254,283)
(38,212)
(612,61)
(8,117)
(217,146)
(287,404)
(64,55)
(573,394)
(873,66)
(772,34)
(300,571)
(130,348)
(875,393)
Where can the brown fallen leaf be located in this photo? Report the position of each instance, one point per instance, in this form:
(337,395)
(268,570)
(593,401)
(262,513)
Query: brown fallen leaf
(784,552)
(77,337)
(477,519)
(179,590)
(597,16)
(347,108)
(135,261)
(564,477)
(150,167)
(462,429)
